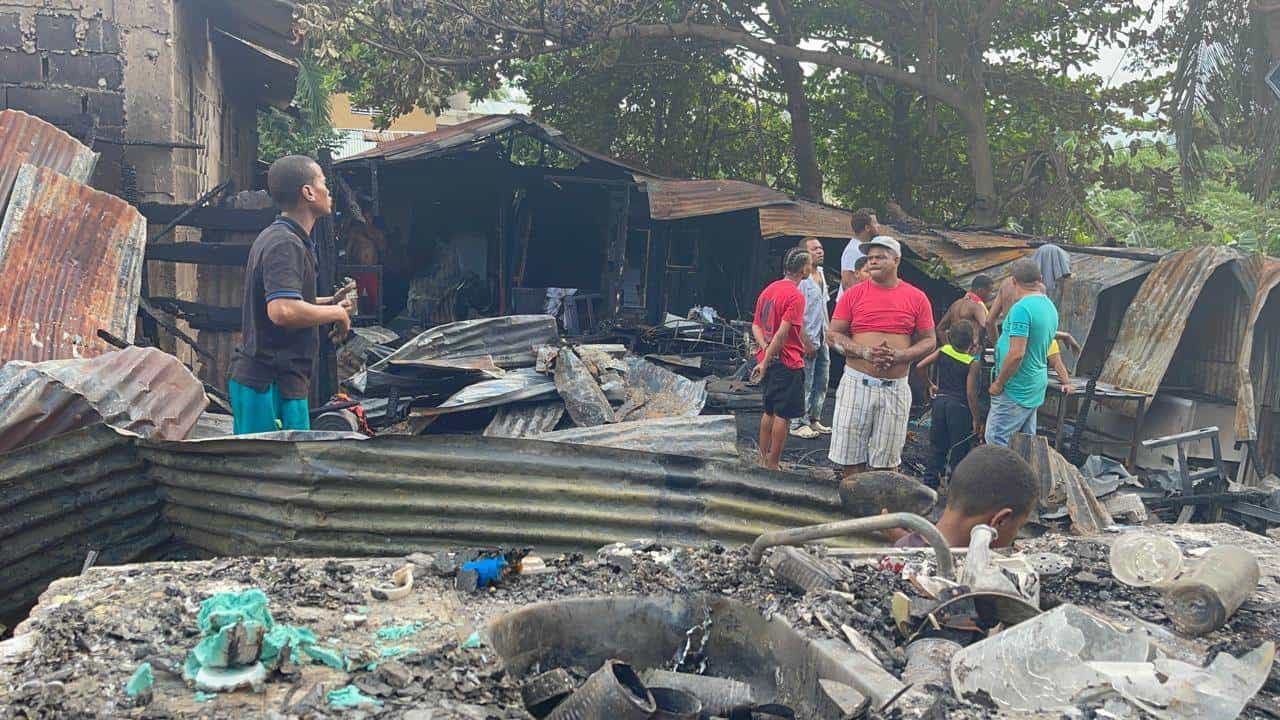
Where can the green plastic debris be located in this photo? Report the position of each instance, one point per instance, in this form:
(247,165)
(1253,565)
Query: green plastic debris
(350,696)
(204,697)
(472,642)
(227,608)
(282,636)
(141,682)
(399,632)
(326,656)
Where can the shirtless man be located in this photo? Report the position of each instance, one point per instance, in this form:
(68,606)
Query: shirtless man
(882,326)
(971,307)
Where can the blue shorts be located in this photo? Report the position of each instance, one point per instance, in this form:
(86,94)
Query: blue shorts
(258,412)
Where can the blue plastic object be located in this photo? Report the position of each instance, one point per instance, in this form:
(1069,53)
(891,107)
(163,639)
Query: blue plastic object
(488,571)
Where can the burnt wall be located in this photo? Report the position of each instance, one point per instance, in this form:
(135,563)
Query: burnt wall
(65,63)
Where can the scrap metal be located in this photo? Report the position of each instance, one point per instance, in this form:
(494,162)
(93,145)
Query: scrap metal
(59,499)
(713,437)
(72,261)
(509,341)
(1157,317)
(583,398)
(655,392)
(28,140)
(802,219)
(392,495)
(518,420)
(515,386)
(139,390)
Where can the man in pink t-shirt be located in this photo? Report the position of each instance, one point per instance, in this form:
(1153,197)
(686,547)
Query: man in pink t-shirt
(778,329)
(882,326)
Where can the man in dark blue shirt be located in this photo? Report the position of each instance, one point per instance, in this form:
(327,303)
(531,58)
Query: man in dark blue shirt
(271,373)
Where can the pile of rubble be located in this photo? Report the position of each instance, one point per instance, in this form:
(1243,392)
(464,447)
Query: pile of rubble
(515,377)
(1067,638)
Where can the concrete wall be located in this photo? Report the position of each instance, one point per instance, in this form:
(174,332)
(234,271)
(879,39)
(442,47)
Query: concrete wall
(144,72)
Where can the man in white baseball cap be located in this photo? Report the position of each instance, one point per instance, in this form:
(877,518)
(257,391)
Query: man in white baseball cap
(882,326)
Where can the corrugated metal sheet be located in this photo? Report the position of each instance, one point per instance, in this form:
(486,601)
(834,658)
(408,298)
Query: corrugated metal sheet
(140,390)
(803,219)
(86,490)
(655,392)
(71,259)
(1256,371)
(712,437)
(677,199)
(28,140)
(416,147)
(518,420)
(517,386)
(1155,322)
(944,259)
(510,340)
(393,495)
(967,240)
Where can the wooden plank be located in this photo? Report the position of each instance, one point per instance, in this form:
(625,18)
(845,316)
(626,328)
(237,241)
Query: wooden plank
(199,315)
(199,253)
(209,218)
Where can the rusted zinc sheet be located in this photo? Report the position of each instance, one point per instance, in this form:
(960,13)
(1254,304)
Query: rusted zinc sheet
(441,141)
(711,437)
(393,495)
(28,140)
(59,499)
(677,199)
(944,259)
(804,219)
(966,240)
(1156,319)
(71,259)
(509,341)
(139,390)
(1257,378)
(518,420)
(655,392)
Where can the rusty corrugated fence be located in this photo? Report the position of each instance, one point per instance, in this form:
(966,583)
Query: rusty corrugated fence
(28,140)
(71,259)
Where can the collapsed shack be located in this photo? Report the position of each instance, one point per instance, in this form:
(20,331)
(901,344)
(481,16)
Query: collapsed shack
(1258,378)
(502,215)
(1161,327)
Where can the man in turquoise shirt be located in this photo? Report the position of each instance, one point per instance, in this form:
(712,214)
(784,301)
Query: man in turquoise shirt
(1022,358)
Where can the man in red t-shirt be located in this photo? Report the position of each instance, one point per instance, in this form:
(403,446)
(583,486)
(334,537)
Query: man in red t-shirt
(778,329)
(882,325)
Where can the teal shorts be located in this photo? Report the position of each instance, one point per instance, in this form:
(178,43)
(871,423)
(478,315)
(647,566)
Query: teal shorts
(258,412)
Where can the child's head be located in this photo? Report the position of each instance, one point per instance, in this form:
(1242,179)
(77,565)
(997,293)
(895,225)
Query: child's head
(995,486)
(960,335)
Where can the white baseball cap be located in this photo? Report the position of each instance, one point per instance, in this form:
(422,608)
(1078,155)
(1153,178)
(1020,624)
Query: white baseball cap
(883,241)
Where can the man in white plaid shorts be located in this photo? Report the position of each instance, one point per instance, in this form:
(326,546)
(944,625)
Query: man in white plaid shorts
(882,326)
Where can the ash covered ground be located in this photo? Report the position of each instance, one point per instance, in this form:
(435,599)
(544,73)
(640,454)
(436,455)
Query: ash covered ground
(92,632)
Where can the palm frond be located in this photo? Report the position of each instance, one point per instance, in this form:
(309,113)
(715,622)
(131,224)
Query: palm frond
(313,94)
(1202,65)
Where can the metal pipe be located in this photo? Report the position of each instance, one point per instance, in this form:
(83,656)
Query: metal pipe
(906,521)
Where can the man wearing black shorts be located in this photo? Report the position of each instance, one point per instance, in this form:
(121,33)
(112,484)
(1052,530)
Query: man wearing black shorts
(777,328)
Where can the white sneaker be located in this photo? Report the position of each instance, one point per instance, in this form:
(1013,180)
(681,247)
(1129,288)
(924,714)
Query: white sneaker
(820,428)
(805,432)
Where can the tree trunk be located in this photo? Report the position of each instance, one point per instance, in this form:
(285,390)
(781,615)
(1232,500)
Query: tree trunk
(986,205)
(1267,15)
(808,173)
(900,174)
